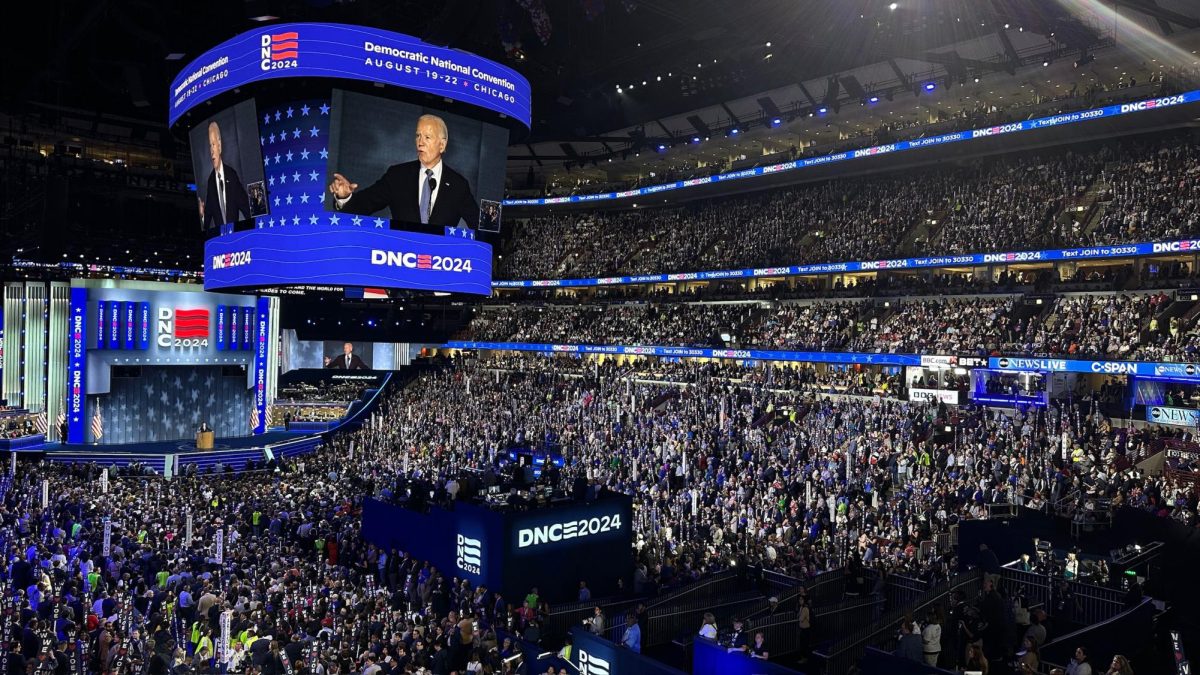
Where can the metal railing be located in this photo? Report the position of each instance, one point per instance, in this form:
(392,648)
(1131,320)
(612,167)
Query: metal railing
(845,652)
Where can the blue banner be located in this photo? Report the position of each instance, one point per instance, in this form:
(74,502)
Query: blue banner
(248,332)
(700,353)
(77,366)
(101,321)
(114,325)
(1028,125)
(928,262)
(1186,371)
(130,316)
(221,328)
(349,256)
(260,363)
(144,325)
(344,52)
(1177,417)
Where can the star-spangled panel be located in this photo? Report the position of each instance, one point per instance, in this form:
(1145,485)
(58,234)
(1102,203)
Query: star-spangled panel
(295,145)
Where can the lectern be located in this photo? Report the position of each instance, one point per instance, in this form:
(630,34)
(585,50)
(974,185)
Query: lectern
(204,440)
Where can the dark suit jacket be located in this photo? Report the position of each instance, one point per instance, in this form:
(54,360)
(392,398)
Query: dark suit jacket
(339,362)
(237,203)
(397,190)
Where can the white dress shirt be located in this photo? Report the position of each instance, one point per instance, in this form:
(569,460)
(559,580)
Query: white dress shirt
(221,191)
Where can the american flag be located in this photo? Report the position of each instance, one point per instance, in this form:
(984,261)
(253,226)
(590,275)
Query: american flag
(295,147)
(253,417)
(39,422)
(97,423)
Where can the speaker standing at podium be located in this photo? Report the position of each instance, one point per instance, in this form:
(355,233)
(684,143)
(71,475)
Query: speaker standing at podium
(204,437)
(348,360)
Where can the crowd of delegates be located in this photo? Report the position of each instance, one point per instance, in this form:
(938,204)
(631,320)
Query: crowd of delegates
(1144,190)
(1138,326)
(1150,195)
(723,465)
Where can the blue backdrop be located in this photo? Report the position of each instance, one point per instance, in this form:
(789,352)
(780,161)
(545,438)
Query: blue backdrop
(168,402)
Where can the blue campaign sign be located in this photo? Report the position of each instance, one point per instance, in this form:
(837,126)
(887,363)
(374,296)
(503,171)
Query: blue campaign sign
(293,50)
(927,262)
(1186,371)
(1028,125)
(261,346)
(347,257)
(847,358)
(77,366)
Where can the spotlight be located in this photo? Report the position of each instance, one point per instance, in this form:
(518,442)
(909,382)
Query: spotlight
(873,99)
(822,110)
(1046,63)
(695,139)
(930,86)
(734,131)
(893,6)
(776,122)
(662,148)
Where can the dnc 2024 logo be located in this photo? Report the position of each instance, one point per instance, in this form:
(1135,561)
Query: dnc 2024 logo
(469,556)
(182,327)
(590,664)
(280,50)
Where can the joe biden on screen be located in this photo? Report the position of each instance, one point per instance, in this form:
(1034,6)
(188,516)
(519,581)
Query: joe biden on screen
(424,195)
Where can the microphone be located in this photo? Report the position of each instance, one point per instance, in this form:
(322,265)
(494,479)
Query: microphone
(432,183)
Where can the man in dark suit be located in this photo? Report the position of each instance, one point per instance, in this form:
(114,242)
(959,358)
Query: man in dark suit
(424,196)
(225,198)
(347,361)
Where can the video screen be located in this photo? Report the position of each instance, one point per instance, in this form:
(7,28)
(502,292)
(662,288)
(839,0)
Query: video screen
(425,170)
(228,165)
(341,355)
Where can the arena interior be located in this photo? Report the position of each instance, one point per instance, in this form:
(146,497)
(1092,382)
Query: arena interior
(589,337)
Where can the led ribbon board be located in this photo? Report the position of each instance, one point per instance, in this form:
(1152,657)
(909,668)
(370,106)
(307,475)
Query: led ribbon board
(927,262)
(1028,125)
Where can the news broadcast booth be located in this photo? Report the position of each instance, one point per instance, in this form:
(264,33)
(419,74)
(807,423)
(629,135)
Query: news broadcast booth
(553,547)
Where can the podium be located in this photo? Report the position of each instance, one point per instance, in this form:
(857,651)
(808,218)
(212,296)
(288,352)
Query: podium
(204,440)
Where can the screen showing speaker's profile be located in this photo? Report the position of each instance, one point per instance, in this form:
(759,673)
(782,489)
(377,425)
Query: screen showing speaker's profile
(228,165)
(424,170)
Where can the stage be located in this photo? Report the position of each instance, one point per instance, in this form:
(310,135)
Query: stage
(176,456)
(178,446)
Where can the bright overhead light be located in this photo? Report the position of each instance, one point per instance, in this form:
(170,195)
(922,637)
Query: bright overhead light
(893,6)
(768,44)
(264,17)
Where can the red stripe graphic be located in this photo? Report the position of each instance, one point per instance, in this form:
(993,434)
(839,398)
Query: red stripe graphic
(284,36)
(198,333)
(283,55)
(182,313)
(293,44)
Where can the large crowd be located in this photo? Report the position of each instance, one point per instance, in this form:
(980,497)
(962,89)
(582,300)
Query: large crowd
(1128,326)
(726,465)
(1124,191)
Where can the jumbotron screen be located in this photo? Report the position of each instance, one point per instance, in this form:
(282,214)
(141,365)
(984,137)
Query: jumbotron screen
(322,181)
